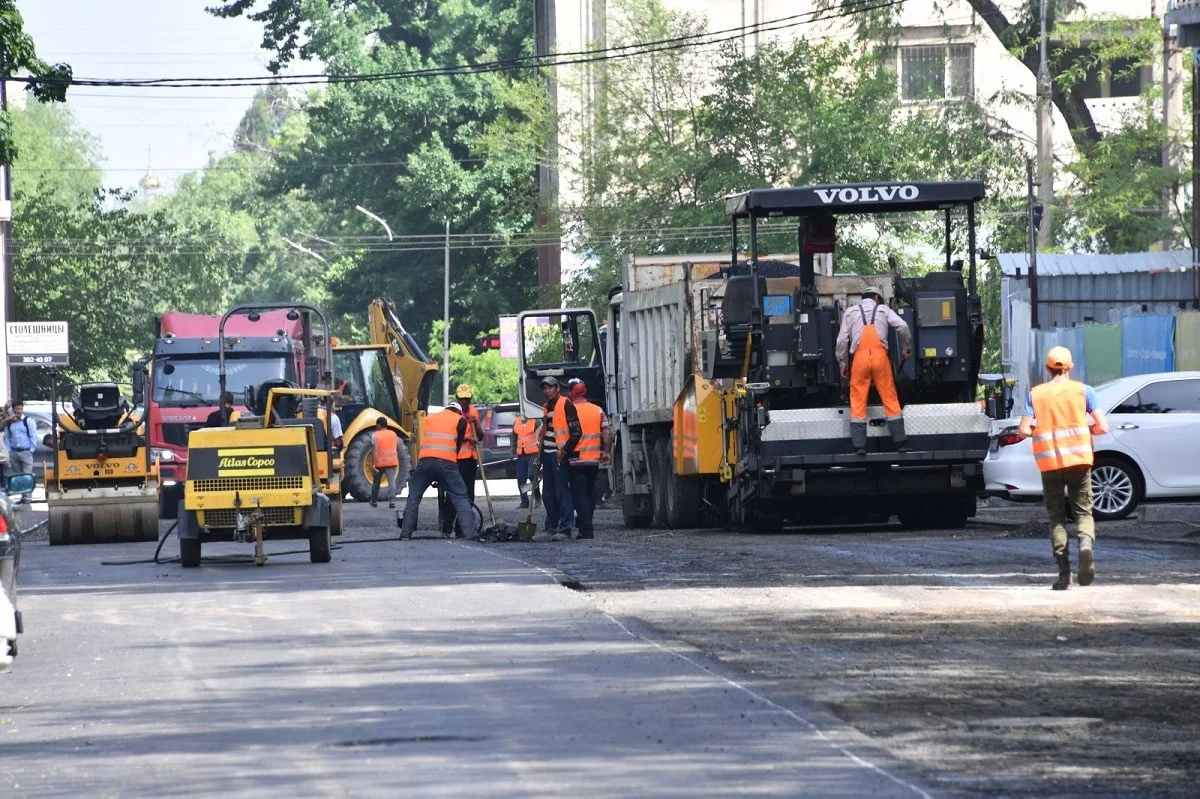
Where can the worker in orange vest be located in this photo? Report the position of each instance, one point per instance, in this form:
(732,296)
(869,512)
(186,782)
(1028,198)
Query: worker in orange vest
(468,452)
(585,450)
(387,461)
(524,452)
(860,335)
(1056,417)
(437,461)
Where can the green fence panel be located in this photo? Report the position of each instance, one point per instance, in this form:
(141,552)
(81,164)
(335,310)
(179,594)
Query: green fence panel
(1102,348)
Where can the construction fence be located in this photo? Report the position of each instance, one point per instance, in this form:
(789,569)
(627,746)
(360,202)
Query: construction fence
(1137,344)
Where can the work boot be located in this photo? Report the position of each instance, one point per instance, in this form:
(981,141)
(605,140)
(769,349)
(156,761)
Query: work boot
(1087,569)
(374,504)
(858,437)
(524,502)
(896,428)
(1064,573)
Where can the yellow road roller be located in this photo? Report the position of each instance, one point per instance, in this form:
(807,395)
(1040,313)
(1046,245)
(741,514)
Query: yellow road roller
(102,486)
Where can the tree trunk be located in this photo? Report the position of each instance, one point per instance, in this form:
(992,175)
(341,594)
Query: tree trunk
(1071,103)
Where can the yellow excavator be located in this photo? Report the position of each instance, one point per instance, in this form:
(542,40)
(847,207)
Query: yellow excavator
(102,485)
(392,377)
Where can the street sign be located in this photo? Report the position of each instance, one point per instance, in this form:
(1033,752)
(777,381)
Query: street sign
(38,343)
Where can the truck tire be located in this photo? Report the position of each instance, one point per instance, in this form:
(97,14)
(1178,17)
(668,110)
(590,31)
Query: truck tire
(637,511)
(680,495)
(320,545)
(335,515)
(359,464)
(189,552)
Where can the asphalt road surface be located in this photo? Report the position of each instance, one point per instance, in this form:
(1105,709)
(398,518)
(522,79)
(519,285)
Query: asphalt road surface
(864,661)
(425,668)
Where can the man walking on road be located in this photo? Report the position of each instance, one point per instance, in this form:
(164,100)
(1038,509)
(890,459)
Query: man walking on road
(387,461)
(584,452)
(20,436)
(863,335)
(438,460)
(1056,416)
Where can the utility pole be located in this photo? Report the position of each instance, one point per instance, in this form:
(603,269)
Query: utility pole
(1035,213)
(446,324)
(1045,140)
(9,387)
(549,255)
(1186,15)
(1171,111)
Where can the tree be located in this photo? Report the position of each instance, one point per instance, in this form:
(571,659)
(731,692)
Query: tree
(671,141)
(416,152)
(46,82)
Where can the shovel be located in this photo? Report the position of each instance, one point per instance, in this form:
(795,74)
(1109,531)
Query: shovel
(497,531)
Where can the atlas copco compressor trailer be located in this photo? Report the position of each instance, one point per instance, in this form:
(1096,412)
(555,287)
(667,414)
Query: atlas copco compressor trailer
(724,390)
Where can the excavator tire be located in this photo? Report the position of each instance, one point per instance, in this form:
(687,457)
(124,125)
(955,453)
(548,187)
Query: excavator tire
(99,524)
(359,460)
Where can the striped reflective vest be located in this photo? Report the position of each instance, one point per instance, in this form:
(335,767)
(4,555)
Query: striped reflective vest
(387,448)
(467,451)
(1061,439)
(587,452)
(560,420)
(526,432)
(439,436)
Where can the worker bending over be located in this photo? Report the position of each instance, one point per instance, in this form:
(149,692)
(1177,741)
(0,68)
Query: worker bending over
(438,461)
(863,337)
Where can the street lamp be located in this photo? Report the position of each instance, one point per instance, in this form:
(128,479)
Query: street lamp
(302,249)
(445,302)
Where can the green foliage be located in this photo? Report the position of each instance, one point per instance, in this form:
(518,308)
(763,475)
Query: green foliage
(677,131)
(415,152)
(48,82)
(492,378)
(57,159)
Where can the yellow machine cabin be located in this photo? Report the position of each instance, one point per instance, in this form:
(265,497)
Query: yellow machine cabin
(102,485)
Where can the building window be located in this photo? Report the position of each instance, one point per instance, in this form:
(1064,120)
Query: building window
(936,72)
(1120,77)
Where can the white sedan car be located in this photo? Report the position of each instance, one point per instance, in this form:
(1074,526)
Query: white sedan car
(1154,422)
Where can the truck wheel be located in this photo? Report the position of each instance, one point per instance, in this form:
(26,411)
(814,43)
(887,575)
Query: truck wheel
(637,511)
(335,515)
(658,483)
(359,464)
(320,545)
(189,552)
(681,495)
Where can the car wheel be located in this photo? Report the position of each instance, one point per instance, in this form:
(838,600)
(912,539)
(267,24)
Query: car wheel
(1116,489)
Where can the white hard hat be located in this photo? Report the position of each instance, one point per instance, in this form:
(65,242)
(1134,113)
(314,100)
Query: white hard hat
(454,406)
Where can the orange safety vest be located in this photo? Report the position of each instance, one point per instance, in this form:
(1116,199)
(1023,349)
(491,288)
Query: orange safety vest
(467,451)
(588,450)
(387,448)
(438,437)
(1062,438)
(558,417)
(526,433)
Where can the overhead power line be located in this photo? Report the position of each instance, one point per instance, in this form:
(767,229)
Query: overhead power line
(503,65)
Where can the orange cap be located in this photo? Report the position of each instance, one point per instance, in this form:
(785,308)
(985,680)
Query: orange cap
(1058,357)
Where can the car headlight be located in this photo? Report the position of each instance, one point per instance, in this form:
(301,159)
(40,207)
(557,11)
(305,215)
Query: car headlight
(162,454)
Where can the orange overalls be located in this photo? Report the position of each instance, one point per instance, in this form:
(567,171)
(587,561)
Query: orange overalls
(871,363)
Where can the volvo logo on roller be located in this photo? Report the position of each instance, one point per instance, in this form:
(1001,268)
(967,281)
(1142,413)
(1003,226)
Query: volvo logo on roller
(868,194)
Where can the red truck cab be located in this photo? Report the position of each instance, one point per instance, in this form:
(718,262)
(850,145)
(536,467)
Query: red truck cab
(182,375)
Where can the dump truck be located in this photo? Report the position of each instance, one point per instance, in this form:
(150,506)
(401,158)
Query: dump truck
(725,394)
(182,379)
(103,485)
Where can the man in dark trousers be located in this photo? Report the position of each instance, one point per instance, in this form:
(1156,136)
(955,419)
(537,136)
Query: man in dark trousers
(438,461)
(559,414)
(585,451)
